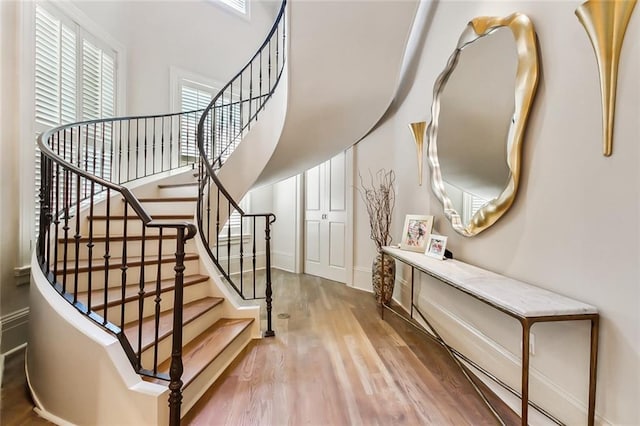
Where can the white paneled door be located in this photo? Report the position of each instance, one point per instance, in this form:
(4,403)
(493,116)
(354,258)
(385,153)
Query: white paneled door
(325,223)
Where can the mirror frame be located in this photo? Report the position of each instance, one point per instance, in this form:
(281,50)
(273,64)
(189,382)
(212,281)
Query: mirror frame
(526,82)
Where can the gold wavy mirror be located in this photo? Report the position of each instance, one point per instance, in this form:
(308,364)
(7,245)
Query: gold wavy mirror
(478,117)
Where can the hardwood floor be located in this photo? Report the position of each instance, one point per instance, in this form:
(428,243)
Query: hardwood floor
(16,407)
(333,362)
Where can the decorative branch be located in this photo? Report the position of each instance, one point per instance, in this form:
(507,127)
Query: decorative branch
(379,198)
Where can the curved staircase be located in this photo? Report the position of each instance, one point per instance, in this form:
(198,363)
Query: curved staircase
(132,318)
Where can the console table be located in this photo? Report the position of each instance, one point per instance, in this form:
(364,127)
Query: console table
(527,303)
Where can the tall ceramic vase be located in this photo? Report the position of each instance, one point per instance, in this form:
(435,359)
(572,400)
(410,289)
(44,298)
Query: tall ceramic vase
(383,278)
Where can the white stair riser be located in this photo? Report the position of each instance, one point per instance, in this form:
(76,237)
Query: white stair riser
(116,227)
(206,378)
(132,276)
(158,208)
(134,248)
(190,293)
(189,332)
(178,191)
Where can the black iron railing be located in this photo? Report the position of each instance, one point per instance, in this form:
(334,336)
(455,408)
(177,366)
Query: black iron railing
(240,255)
(83,167)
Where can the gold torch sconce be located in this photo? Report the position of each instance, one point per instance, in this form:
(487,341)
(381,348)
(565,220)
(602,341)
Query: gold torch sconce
(606,22)
(417,130)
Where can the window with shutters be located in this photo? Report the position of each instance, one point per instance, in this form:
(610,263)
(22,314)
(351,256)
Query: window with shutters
(193,96)
(238,6)
(470,205)
(75,80)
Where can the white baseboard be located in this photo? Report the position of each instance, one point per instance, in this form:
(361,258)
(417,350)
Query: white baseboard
(14,329)
(283,260)
(362,278)
(505,365)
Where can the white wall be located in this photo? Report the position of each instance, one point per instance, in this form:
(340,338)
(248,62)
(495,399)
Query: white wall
(195,35)
(286,235)
(573,229)
(13,297)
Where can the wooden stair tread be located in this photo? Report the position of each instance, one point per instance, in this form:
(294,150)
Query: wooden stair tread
(177,185)
(134,217)
(166,199)
(205,348)
(114,294)
(191,311)
(103,238)
(116,262)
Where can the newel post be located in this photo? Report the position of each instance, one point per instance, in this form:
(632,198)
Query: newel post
(269,219)
(176,368)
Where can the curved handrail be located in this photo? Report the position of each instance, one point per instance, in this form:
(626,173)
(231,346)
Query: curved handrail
(280,20)
(217,122)
(80,162)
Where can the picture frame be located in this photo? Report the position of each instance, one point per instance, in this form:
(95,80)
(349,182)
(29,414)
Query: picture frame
(436,246)
(415,232)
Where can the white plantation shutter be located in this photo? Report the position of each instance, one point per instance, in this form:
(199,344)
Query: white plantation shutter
(238,5)
(196,96)
(193,97)
(75,79)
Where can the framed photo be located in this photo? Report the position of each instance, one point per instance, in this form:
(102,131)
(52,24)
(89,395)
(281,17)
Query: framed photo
(436,246)
(415,232)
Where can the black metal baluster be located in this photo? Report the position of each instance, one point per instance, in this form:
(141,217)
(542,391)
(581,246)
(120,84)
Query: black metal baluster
(179,139)
(129,150)
(162,146)
(218,226)
(171,142)
(137,146)
(260,85)
(157,301)
(268,293)
(284,37)
(146,148)
(153,149)
(241,103)
(76,238)
(228,237)
(102,156)
(66,227)
(253,257)
(269,68)
(250,94)
(124,267)
(107,254)
(175,370)
(241,255)
(86,167)
(141,294)
(90,246)
(277,51)
(56,215)
(209,210)
(93,160)
(120,154)
(45,212)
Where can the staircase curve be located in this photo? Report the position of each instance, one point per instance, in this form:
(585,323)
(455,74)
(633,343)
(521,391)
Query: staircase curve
(125,301)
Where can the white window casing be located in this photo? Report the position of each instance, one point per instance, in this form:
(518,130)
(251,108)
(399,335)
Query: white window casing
(70,70)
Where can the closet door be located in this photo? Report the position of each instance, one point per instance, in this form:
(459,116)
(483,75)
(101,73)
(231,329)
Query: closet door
(325,224)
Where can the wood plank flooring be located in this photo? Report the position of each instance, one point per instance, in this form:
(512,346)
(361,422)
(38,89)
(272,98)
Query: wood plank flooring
(335,362)
(332,362)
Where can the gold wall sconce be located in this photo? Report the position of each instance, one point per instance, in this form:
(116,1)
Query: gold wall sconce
(606,22)
(417,130)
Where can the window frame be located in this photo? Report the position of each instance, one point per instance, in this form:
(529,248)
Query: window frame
(178,77)
(67,12)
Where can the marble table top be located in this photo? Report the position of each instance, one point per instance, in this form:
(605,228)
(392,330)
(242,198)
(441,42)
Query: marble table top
(513,296)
